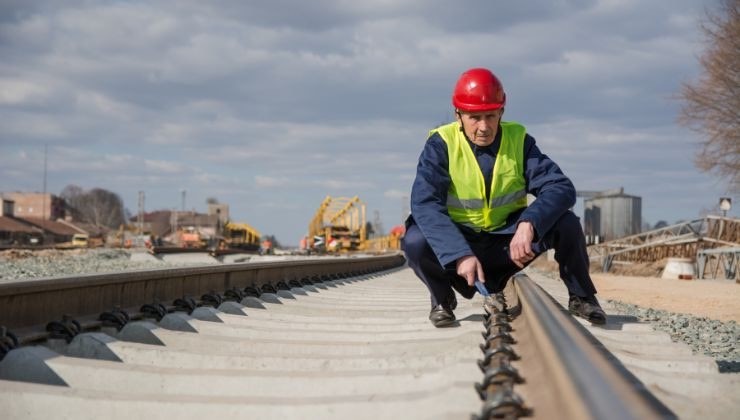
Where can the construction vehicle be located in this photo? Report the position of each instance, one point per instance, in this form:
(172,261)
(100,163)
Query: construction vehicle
(190,237)
(241,236)
(338,226)
(80,240)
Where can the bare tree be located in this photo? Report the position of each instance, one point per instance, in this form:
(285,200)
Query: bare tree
(98,206)
(72,195)
(106,208)
(712,103)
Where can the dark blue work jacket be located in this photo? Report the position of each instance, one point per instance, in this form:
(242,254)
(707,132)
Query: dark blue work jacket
(554,191)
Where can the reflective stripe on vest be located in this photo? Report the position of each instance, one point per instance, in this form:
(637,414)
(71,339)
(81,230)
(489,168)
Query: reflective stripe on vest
(466,202)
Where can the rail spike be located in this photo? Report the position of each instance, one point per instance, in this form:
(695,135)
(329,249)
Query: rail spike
(498,317)
(497,339)
(268,288)
(67,328)
(211,299)
(504,404)
(185,304)
(498,327)
(116,318)
(252,291)
(495,304)
(8,341)
(234,294)
(153,310)
(503,351)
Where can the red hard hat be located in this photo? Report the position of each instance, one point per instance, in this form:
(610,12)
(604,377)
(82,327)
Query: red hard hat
(478,90)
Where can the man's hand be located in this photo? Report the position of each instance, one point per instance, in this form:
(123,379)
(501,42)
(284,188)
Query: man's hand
(469,268)
(520,247)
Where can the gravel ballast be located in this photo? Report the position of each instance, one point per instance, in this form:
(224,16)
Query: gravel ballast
(718,340)
(23,265)
(705,336)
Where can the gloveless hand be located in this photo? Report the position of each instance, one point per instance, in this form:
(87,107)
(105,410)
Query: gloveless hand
(469,268)
(520,247)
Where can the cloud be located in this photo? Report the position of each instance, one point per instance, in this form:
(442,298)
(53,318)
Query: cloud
(396,193)
(21,92)
(270,182)
(274,102)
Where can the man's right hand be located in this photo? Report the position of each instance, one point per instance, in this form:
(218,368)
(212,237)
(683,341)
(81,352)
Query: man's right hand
(469,268)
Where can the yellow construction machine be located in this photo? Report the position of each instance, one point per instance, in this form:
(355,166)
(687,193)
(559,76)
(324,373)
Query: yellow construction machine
(241,236)
(338,226)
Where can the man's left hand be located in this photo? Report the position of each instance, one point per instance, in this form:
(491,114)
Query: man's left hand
(520,248)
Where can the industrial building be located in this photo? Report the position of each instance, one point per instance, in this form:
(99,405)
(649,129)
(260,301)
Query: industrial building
(610,215)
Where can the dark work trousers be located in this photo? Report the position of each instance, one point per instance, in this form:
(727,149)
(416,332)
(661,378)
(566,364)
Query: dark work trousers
(492,250)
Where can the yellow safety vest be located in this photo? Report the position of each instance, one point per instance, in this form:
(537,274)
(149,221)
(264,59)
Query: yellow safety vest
(466,198)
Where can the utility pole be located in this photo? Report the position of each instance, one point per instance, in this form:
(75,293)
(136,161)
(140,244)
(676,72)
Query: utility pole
(173,223)
(183,192)
(43,196)
(140,217)
(377,224)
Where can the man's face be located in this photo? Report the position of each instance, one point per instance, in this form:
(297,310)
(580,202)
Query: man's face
(480,127)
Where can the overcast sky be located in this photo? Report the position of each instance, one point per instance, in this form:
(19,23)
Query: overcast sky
(270,106)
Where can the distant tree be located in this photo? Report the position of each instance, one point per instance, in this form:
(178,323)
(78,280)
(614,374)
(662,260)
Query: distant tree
(99,207)
(660,224)
(72,195)
(712,103)
(211,200)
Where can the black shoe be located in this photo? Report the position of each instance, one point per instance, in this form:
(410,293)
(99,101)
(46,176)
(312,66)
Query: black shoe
(441,316)
(587,308)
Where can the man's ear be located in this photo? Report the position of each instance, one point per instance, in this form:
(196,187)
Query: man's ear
(457,116)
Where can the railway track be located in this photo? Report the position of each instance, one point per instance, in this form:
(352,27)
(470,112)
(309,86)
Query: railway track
(337,338)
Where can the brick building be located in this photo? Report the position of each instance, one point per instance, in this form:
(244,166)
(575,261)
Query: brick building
(44,206)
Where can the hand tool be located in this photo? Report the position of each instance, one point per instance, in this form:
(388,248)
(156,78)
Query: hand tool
(481,288)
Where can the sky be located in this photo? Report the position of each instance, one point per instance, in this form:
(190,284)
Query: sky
(271,106)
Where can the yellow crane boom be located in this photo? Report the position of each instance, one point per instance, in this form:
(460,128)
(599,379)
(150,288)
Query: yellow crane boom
(340,221)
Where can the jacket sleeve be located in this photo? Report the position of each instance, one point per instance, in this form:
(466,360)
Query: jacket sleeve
(429,203)
(554,191)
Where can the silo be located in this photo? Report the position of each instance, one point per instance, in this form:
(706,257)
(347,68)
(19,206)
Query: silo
(612,215)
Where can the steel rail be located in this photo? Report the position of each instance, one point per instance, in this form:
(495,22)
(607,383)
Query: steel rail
(32,303)
(585,375)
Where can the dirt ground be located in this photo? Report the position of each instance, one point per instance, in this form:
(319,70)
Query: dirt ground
(715,299)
